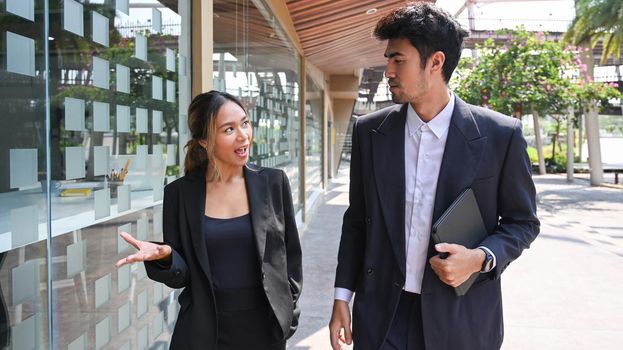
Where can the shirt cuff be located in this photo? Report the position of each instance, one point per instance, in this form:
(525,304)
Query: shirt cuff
(343,294)
(493,255)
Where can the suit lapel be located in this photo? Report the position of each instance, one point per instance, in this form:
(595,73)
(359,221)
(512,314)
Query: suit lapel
(195,196)
(388,156)
(257,192)
(461,158)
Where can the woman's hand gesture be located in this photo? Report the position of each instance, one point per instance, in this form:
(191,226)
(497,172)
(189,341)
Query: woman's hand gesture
(147,251)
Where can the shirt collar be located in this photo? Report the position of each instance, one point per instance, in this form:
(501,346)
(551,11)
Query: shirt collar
(438,125)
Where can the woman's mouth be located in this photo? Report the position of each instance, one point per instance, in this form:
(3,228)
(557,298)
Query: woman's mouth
(242,151)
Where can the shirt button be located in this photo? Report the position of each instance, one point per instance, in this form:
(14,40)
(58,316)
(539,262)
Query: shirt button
(397,284)
(370,272)
(263,275)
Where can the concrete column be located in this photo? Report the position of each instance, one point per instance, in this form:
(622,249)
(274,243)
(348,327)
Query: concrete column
(594,147)
(202,45)
(537,141)
(570,153)
(344,92)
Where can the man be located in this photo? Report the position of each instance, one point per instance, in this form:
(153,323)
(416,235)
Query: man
(408,163)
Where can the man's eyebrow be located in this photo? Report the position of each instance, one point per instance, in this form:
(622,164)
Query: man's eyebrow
(393,54)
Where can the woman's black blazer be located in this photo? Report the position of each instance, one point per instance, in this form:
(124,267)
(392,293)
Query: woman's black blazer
(276,236)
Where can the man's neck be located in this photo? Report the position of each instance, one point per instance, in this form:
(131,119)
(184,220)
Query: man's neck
(432,103)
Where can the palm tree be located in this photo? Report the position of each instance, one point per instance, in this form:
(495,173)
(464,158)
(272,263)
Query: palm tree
(597,20)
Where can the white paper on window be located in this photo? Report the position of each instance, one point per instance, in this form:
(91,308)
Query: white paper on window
(156,87)
(142,227)
(100,160)
(141,121)
(25,280)
(102,203)
(157,228)
(24,226)
(123,79)
(158,189)
(171,154)
(74,163)
(101,116)
(171,311)
(73,19)
(183,65)
(122,245)
(141,304)
(101,73)
(140,47)
(123,198)
(170,56)
(22,8)
(156,21)
(157,293)
(102,333)
(99,28)
(123,6)
(74,114)
(102,290)
(156,160)
(79,343)
(23,167)
(124,277)
(142,339)
(183,121)
(124,315)
(170,91)
(141,157)
(22,333)
(20,54)
(123,118)
(156,326)
(157,122)
(76,258)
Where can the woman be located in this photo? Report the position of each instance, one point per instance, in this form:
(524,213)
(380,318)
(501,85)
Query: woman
(230,238)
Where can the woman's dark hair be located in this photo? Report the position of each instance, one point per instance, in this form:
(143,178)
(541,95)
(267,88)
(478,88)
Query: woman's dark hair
(429,29)
(202,114)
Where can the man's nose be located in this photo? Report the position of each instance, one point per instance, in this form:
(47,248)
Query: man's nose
(389,74)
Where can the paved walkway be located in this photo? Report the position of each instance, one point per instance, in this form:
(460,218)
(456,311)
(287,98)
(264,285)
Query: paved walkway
(566,292)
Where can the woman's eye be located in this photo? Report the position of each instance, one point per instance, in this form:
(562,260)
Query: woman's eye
(228,130)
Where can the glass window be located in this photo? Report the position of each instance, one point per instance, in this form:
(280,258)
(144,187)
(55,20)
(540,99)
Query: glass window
(255,61)
(108,129)
(314,114)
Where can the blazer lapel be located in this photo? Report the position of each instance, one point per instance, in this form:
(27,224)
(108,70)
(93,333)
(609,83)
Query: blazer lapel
(461,158)
(388,157)
(257,192)
(195,197)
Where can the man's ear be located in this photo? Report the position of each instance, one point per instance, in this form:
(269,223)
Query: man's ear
(437,59)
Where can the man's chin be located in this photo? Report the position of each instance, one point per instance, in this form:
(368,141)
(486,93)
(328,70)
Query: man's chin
(398,99)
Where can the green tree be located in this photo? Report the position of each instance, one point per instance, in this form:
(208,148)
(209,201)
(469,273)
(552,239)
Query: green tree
(597,20)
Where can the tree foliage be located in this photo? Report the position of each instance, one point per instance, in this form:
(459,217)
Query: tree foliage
(529,72)
(597,20)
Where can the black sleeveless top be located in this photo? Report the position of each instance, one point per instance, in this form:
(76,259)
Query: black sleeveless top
(232,252)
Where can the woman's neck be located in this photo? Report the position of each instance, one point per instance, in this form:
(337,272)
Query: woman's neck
(227,174)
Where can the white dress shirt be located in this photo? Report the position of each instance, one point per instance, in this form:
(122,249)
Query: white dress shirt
(424,147)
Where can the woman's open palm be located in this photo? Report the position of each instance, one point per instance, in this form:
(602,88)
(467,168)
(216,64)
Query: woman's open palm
(147,251)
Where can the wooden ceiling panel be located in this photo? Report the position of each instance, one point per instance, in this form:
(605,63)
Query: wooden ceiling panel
(336,35)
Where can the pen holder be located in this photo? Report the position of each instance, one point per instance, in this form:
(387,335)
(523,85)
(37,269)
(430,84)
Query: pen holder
(113,186)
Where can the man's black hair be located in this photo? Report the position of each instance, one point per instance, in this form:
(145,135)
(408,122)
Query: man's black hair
(429,29)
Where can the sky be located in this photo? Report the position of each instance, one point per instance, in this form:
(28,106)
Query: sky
(553,15)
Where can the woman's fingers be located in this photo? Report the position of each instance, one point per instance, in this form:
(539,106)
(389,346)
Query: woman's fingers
(128,238)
